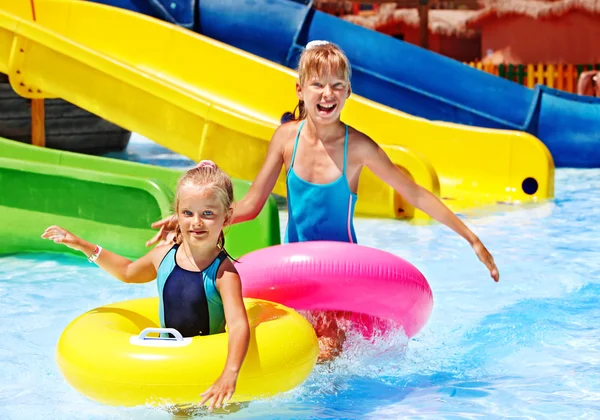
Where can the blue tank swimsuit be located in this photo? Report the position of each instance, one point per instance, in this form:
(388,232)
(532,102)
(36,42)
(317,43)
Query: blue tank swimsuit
(189,301)
(320,212)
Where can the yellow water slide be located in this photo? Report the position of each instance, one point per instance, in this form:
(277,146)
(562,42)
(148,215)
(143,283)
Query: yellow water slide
(204,99)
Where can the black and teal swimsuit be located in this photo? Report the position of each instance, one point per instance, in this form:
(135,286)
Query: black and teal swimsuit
(189,301)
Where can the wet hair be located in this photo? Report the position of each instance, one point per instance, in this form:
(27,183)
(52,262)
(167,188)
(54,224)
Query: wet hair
(207,175)
(319,59)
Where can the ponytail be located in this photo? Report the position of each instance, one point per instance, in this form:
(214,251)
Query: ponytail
(221,244)
(291,116)
(301,111)
(178,238)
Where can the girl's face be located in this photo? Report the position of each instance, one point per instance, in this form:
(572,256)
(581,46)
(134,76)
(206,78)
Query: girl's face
(201,216)
(324,96)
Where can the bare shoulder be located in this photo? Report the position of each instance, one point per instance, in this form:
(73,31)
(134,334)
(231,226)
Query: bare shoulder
(228,279)
(158,253)
(360,144)
(227,269)
(286,131)
(284,136)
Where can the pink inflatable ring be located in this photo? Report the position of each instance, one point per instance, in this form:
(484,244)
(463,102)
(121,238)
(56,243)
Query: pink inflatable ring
(371,284)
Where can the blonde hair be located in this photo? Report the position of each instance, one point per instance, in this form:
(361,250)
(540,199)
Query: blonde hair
(319,59)
(206,175)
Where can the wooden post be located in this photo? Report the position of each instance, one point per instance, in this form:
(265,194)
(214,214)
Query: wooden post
(560,77)
(424,23)
(38,131)
(571,76)
(530,76)
(539,74)
(549,73)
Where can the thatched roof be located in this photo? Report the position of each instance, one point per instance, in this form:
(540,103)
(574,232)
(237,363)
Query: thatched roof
(441,22)
(321,3)
(344,6)
(535,9)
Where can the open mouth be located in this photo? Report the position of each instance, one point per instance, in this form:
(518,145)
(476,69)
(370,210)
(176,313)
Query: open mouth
(326,109)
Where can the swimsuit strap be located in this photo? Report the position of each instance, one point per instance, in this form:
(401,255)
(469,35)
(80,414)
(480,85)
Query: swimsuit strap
(345,150)
(174,247)
(222,256)
(296,143)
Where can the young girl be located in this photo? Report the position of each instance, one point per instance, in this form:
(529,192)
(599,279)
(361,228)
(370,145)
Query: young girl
(199,287)
(323,158)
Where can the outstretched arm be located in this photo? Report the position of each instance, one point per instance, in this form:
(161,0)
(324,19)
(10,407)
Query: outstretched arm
(381,165)
(230,288)
(142,270)
(250,206)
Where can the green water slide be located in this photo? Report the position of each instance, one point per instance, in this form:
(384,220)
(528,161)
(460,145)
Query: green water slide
(106,201)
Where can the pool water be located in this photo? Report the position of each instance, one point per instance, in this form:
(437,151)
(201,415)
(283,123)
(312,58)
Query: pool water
(525,348)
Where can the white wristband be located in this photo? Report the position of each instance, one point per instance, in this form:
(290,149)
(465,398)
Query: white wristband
(92,258)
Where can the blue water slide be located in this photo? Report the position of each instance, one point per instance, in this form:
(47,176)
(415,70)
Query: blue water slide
(395,73)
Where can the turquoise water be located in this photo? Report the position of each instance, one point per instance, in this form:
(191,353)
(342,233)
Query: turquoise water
(526,348)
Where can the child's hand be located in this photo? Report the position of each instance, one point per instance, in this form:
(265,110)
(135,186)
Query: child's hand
(166,232)
(220,392)
(62,236)
(486,258)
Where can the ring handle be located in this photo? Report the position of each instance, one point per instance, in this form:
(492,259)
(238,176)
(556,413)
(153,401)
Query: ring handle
(161,341)
(149,330)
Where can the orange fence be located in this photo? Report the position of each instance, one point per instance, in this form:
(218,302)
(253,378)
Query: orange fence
(559,76)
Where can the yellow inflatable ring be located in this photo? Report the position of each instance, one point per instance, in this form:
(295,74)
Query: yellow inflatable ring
(103,356)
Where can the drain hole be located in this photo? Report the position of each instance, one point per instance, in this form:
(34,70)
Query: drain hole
(530,186)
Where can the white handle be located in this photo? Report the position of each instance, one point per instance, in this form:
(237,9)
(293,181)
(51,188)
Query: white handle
(149,330)
(144,341)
